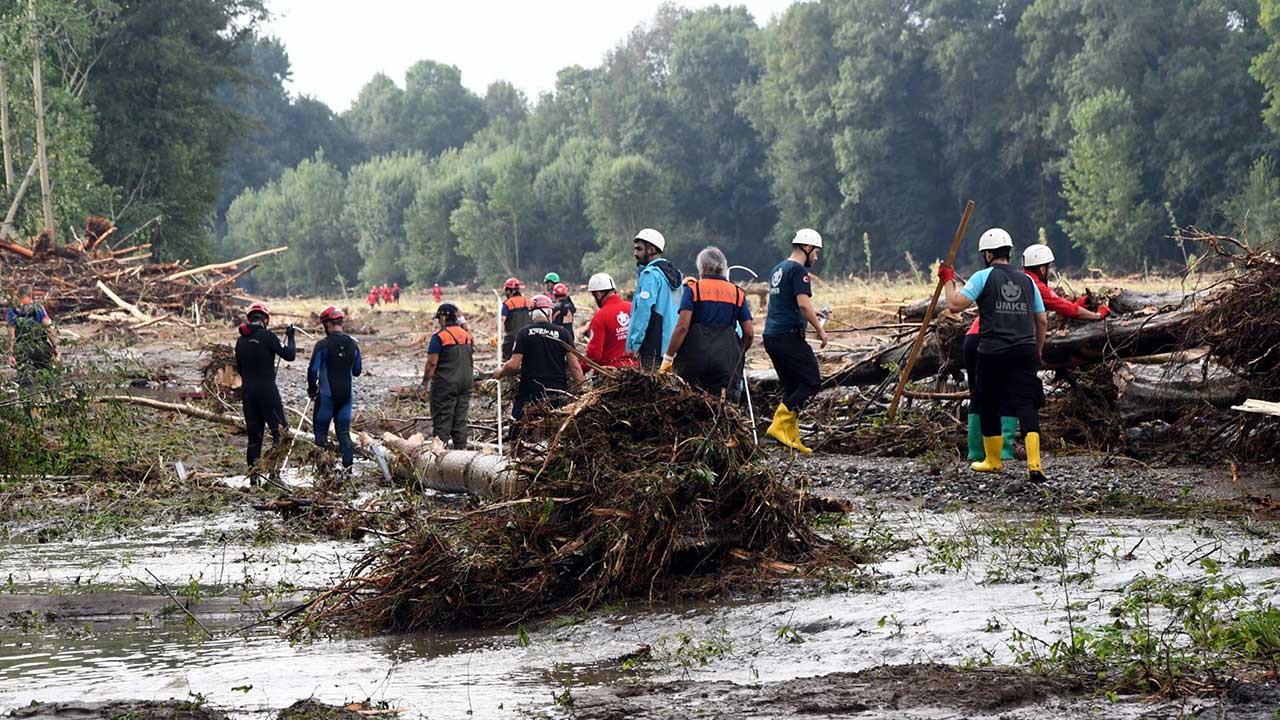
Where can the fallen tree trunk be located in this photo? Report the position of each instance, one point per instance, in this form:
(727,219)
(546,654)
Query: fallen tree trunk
(224,265)
(1132,301)
(1122,338)
(1147,391)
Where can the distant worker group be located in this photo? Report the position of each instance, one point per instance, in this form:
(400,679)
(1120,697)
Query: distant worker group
(698,328)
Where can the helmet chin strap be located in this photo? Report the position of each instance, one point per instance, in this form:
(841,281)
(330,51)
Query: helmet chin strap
(808,255)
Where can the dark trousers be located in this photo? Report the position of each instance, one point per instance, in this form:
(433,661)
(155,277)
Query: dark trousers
(262,409)
(341,419)
(797,368)
(552,398)
(1008,385)
(450,412)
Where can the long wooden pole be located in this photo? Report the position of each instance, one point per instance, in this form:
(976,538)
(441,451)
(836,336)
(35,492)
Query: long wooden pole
(232,263)
(37,90)
(928,315)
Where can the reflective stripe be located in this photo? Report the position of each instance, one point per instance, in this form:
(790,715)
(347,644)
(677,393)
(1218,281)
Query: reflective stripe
(447,337)
(716,290)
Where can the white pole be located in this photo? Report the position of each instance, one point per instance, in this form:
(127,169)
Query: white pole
(499,379)
(301,420)
(746,387)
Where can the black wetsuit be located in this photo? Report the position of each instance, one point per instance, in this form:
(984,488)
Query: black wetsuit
(256,353)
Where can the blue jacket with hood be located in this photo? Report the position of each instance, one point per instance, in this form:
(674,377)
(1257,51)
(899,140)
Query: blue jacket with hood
(653,309)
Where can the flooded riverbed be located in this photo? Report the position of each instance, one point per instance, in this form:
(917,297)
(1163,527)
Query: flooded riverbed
(964,590)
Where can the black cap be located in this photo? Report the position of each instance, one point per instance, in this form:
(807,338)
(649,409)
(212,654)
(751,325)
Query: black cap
(447,309)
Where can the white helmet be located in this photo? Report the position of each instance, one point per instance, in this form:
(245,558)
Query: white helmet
(994,239)
(807,236)
(1036,255)
(654,238)
(600,281)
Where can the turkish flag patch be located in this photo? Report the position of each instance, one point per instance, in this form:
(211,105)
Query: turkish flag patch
(806,279)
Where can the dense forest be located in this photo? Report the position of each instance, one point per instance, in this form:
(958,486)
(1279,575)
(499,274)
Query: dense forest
(1101,126)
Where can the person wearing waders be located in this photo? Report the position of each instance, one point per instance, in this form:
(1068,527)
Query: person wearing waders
(450,376)
(33,343)
(653,306)
(790,312)
(705,349)
(563,312)
(257,350)
(607,334)
(515,315)
(1011,333)
(545,366)
(334,361)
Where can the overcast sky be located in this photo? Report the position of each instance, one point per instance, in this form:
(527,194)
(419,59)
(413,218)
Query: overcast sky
(335,46)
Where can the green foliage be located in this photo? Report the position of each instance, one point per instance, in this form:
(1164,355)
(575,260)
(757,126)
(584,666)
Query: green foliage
(298,210)
(624,195)
(1102,183)
(1255,211)
(379,193)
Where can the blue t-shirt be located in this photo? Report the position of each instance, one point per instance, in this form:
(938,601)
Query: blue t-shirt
(717,306)
(973,289)
(12,316)
(789,280)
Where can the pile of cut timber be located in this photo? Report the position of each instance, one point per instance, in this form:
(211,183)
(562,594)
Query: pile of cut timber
(90,279)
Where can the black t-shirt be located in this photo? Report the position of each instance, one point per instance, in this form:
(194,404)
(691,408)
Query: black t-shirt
(544,365)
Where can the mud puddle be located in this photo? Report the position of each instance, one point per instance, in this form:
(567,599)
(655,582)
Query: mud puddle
(967,583)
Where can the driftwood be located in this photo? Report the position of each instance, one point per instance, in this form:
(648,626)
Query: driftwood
(1147,391)
(1132,301)
(1261,407)
(226,265)
(1123,337)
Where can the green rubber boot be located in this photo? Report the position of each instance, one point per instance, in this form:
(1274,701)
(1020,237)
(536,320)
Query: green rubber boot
(976,453)
(1008,428)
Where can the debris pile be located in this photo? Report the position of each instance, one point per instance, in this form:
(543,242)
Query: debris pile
(90,279)
(642,487)
(1160,376)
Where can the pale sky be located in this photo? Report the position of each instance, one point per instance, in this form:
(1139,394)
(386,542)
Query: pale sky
(335,46)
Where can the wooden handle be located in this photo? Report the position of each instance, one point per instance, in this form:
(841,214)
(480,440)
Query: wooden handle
(928,315)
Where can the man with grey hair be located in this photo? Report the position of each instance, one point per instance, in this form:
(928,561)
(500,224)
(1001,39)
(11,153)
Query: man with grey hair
(705,348)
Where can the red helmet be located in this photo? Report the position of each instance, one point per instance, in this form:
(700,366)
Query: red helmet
(330,314)
(258,308)
(512,284)
(560,290)
(542,302)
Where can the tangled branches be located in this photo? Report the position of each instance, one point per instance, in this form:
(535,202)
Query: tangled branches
(645,488)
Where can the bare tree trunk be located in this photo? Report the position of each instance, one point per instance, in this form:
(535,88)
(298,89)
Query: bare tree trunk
(37,90)
(4,134)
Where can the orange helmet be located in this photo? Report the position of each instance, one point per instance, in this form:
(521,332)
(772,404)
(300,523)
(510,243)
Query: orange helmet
(512,284)
(560,290)
(330,314)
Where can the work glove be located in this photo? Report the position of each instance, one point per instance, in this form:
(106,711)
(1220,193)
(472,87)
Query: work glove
(667,363)
(1103,311)
(288,332)
(311,393)
(1082,300)
(946,273)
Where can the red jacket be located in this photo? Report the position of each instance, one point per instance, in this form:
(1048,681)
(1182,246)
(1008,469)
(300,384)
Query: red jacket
(1052,303)
(608,344)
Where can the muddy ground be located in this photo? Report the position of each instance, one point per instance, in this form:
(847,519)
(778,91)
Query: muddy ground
(926,631)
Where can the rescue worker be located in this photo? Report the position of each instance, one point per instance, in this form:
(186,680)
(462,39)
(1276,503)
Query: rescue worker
(607,334)
(373,297)
(435,292)
(33,343)
(334,361)
(705,348)
(545,366)
(653,306)
(790,312)
(549,282)
(450,376)
(386,294)
(395,293)
(1037,262)
(515,315)
(564,310)
(256,351)
(1012,330)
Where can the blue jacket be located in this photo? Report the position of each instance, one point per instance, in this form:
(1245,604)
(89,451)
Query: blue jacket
(654,302)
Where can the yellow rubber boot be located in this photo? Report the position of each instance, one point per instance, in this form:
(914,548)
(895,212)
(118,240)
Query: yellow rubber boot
(1035,472)
(779,429)
(993,464)
(793,430)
